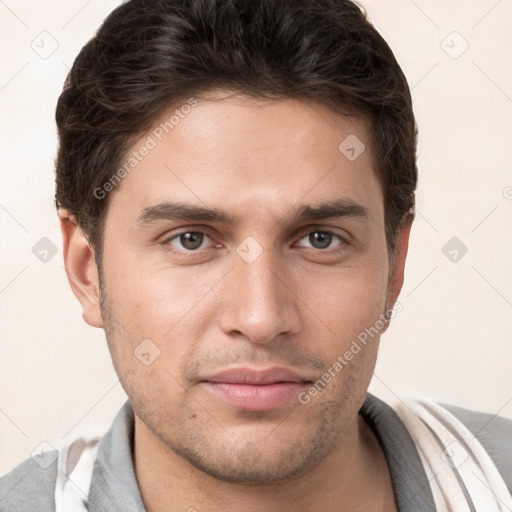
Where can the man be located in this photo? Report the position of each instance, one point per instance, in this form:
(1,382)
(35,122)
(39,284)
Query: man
(235,186)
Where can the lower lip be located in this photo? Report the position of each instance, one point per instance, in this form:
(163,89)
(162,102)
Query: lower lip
(256,397)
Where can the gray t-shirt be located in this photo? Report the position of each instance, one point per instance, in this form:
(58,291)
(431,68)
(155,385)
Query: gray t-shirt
(30,488)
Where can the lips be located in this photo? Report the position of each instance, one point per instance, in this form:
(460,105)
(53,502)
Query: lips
(253,389)
(256,377)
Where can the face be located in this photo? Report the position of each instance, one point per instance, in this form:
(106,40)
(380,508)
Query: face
(284,272)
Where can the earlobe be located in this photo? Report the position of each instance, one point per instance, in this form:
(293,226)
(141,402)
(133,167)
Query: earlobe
(81,268)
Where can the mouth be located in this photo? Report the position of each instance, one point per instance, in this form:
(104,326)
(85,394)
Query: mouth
(256,390)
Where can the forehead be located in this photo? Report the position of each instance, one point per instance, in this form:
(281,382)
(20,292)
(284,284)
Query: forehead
(244,153)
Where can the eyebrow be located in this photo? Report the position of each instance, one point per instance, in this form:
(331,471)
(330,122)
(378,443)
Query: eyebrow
(179,211)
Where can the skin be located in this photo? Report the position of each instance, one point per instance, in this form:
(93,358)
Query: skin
(298,305)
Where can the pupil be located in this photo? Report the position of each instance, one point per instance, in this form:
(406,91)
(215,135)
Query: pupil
(191,240)
(323,238)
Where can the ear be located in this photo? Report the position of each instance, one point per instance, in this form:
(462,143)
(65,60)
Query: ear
(81,268)
(397,263)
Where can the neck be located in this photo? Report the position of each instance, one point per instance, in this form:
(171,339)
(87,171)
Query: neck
(169,483)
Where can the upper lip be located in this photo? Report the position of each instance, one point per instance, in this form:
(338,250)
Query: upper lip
(246,375)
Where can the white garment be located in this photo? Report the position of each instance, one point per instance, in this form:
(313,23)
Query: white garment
(74,474)
(462,475)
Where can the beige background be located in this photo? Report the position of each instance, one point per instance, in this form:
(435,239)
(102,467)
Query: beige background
(452,340)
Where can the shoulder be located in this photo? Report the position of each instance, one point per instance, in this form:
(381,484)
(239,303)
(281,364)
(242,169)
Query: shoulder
(494,433)
(30,486)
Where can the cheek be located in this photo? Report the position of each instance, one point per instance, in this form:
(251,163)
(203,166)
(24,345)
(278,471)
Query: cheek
(350,299)
(169,307)
(153,295)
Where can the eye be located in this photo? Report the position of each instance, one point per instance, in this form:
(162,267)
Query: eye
(323,239)
(195,241)
(189,240)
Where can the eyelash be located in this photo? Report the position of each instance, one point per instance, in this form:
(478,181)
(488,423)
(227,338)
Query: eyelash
(187,253)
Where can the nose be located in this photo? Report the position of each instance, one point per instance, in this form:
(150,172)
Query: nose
(260,301)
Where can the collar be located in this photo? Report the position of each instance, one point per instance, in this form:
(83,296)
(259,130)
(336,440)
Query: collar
(114,484)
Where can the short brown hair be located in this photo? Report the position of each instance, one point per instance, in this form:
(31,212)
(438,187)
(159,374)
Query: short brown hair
(150,54)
